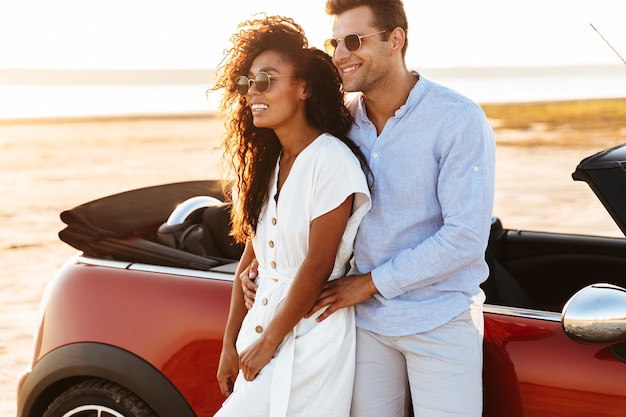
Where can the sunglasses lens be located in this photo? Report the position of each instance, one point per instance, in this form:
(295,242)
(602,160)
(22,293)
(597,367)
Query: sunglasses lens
(352,42)
(243,85)
(262,81)
(330,45)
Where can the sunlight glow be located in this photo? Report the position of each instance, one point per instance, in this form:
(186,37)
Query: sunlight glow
(194,33)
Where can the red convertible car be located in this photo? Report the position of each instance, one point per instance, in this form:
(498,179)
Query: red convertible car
(133,325)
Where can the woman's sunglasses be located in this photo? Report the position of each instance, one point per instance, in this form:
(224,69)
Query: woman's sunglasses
(261,81)
(352,42)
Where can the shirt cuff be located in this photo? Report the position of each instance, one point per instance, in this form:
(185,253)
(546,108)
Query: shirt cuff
(384,282)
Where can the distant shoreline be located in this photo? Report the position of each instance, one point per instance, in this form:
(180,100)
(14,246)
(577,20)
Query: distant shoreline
(19,76)
(211,114)
(34,95)
(537,123)
(24,76)
(106,118)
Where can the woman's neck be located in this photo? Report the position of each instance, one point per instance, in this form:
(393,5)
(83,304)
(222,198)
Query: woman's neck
(295,141)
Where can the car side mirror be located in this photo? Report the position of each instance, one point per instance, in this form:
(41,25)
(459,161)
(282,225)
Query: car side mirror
(596,314)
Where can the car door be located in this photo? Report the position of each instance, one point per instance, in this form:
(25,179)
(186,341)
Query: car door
(533,369)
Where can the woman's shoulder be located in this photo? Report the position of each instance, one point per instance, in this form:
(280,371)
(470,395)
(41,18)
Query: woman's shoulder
(329,149)
(333,156)
(327,142)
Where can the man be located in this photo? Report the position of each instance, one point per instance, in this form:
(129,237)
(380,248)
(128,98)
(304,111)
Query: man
(419,252)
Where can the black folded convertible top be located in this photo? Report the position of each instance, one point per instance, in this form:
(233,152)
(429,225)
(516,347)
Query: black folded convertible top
(117,225)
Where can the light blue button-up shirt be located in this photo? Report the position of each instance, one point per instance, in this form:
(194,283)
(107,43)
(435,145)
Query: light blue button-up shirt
(424,238)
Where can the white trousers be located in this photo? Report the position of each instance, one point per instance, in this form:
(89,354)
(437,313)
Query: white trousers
(440,371)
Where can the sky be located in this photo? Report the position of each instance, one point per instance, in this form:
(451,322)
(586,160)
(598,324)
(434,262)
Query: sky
(159,34)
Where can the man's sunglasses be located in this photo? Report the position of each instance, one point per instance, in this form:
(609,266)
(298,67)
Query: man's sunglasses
(261,81)
(352,42)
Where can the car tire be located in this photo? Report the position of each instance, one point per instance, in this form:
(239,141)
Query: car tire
(98,397)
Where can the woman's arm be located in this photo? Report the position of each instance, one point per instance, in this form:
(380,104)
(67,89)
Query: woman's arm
(324,239)
(229,360)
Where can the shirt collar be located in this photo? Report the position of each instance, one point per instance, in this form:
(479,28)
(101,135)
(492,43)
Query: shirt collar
(417,92)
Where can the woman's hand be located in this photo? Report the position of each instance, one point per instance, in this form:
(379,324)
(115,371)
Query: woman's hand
(255,357)
(228,369)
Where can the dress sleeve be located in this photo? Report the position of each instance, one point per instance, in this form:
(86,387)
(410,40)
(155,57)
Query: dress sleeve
(338,175)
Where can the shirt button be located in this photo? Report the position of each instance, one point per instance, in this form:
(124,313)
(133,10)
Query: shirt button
(273,264)
(275,279)
(375,155)
(271,243)
(264,301)
(274,221)
(259,329)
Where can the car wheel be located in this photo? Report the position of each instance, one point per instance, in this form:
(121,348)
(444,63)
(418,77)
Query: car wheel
(98,398)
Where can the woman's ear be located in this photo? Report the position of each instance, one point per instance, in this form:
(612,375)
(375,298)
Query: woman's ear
(306,90)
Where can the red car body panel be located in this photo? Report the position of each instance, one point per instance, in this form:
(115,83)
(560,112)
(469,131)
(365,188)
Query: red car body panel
(179,330)
(532,368)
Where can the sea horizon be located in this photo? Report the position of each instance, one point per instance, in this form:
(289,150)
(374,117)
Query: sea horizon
(59,93)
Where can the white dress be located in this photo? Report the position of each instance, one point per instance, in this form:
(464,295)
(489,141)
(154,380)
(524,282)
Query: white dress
(312,372)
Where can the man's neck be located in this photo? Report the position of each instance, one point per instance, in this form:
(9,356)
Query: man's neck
(382,103)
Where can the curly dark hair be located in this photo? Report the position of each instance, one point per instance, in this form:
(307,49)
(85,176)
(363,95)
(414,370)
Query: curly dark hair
(251,153)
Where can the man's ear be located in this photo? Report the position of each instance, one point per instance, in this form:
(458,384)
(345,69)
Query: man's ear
(397,38)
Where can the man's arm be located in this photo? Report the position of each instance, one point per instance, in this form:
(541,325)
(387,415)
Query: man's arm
(344,292)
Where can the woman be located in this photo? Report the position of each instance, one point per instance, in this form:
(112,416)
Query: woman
(299,197)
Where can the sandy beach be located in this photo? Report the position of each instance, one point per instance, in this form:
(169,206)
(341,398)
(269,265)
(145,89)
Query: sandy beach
(47,167)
